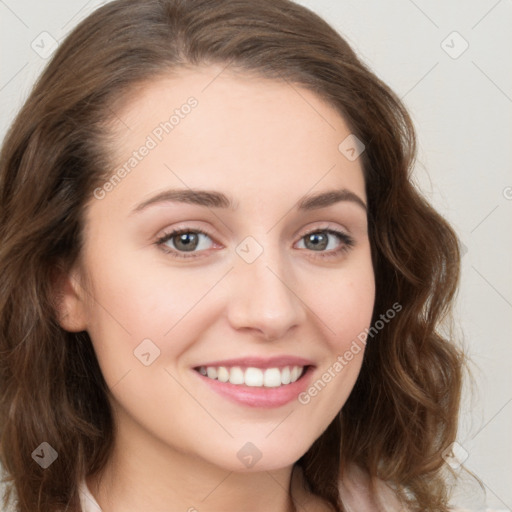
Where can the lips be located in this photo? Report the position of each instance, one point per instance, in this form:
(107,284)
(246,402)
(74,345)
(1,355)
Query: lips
(257,382)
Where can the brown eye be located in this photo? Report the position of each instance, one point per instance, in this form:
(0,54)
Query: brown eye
(316,241)
(325,240)
(186,241)
(183,241)
(326,243)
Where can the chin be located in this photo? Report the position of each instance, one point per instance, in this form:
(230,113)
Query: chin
(256,456)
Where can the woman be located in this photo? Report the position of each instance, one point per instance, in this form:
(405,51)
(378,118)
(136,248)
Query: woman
(220,289)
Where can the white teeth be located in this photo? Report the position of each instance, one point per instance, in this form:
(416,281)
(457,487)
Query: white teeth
(254,377)
(285,375)
(272,378)
(236,375)
(222,374)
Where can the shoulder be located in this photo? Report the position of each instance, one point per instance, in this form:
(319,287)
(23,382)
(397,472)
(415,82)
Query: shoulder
(356,494)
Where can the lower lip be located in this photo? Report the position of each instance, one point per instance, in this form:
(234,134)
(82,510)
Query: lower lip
(259,397)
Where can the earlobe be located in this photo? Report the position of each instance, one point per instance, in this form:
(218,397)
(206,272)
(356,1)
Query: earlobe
(70,307)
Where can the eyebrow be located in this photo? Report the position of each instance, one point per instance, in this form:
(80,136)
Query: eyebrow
(324,199)
(214,199)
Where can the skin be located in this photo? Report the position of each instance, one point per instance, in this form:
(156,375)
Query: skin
(266,145)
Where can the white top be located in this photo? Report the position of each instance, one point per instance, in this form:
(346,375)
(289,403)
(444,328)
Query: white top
(87,500)
(89,503)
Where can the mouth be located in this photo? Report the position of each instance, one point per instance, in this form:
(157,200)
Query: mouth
(251,376)
(257,382)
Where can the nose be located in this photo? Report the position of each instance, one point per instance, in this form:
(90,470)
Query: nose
(262,298)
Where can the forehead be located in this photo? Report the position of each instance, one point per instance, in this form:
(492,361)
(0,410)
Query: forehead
(211,127)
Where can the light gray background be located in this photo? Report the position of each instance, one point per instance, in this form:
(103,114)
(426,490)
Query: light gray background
(461,104)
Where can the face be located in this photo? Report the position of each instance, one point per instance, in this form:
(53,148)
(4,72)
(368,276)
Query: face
(235,245)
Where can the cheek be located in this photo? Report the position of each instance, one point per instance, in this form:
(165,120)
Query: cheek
(344,302)
(344,305)
(350,312)
(132,302)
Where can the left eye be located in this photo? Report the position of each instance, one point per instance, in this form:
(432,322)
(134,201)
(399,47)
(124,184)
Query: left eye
(187,241)
(326,240)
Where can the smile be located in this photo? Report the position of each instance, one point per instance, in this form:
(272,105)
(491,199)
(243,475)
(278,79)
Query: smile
(253,377)
(254,381)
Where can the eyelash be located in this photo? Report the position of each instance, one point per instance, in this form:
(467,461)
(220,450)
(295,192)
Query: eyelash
(347,242)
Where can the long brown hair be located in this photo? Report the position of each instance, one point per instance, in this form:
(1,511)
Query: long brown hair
(403,410)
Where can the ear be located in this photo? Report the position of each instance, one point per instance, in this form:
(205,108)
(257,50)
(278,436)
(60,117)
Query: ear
(69,299)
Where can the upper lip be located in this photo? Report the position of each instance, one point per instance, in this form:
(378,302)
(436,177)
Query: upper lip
(260,362)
